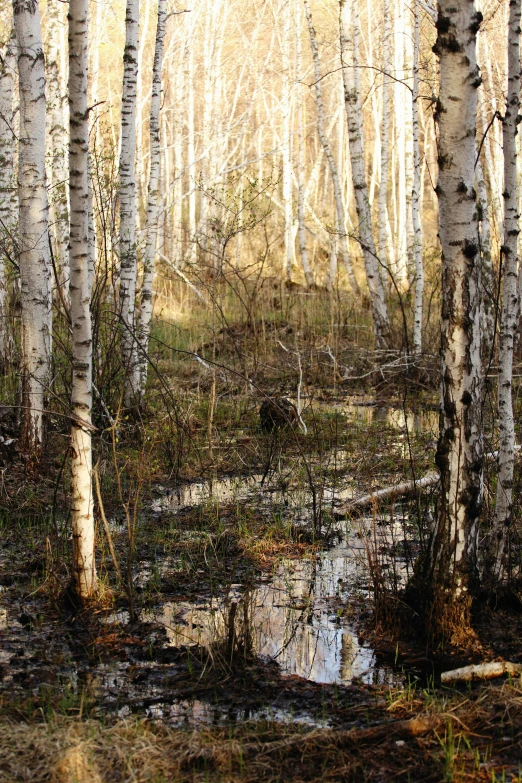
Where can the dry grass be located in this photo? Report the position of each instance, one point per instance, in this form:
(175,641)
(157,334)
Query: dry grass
(462,737)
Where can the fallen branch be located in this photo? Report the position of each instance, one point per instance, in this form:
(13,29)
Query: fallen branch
(399,490)
(481,671)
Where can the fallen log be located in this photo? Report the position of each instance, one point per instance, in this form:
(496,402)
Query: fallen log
(481,671)
(398,490)
(388,493)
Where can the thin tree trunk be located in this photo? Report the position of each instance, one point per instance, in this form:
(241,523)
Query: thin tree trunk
(339,208)
(58,201)
(191,145)
(509,318)
(286,147)
(301,156)
(488,281)
(128,254)
(352,102)
(416,192)
(452,567)
(385,135)
(7,184)
(400,100)
(84,568)
(153,199)
(35,268)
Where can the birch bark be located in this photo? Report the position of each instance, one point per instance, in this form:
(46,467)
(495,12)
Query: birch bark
(453,567)
(352,102)
(128,252)
(509,317)
(416,191)
(59,199)
(339,208)
(191,144)
(488,296)
(7,185)
(84,569)
(35,269)
(153,199)
(400,104)
(301,156)
(385,135)
(286,151)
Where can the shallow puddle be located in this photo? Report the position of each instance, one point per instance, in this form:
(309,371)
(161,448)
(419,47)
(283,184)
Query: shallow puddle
(299,617)
(225,490)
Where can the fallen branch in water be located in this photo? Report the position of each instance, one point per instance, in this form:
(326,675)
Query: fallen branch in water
(399,490)
(481,671)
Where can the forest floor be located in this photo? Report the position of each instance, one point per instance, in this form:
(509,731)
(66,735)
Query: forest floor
(245,627)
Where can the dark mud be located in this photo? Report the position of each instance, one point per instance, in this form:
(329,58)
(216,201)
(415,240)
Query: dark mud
(227,630)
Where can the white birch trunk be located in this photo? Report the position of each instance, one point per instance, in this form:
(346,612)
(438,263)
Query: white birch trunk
(128,252)
(453,569)
(385,135)
(153,199)
(59,200)
(488,294)
(339,207)
(7,184)
(191,146)
(352,102)
(84,568)
(509,318)
(301,157)
(286,147)
(416,192)
(401,231)
(35,269)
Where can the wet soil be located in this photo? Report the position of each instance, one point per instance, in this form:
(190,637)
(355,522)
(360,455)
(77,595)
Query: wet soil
(245,610)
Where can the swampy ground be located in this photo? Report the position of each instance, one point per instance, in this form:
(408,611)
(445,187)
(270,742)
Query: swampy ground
(248,624)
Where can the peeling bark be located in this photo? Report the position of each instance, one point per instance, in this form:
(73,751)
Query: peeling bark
(451,570)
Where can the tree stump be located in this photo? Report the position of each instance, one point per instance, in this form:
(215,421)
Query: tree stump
(276,413)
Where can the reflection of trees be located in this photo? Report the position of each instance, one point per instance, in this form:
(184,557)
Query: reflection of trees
(289,620)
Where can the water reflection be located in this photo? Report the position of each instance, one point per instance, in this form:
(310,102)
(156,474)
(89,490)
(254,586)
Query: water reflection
(368,412)
(296,619)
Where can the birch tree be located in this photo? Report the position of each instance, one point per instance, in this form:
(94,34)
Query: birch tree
(321,130)
(349,31)
(81,453)
(57,140)
(416,192)
(452,568)
(128,252)
(488,298)
(153,198)
(7,185)
(286,147)
(301,156)
(385,135)
(35,272)
(509,317)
